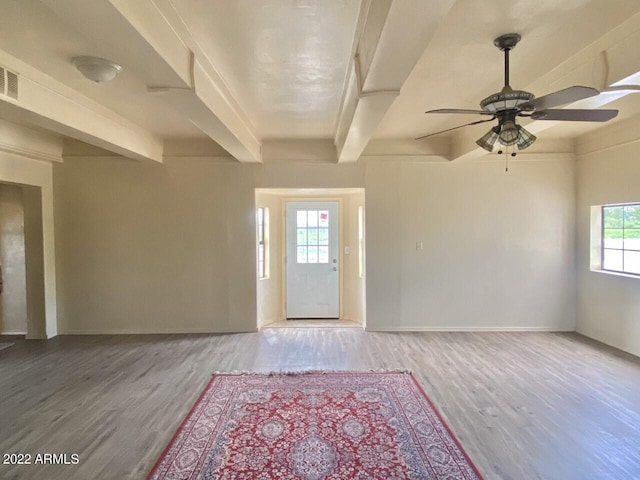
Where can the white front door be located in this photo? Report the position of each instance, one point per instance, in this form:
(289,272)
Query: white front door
(312,260)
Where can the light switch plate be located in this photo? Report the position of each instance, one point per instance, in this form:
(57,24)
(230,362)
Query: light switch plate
(347,250)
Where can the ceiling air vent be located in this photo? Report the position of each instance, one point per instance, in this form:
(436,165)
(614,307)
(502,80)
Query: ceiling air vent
(8,83)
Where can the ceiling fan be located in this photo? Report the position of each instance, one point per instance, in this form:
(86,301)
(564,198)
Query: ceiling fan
(509,104)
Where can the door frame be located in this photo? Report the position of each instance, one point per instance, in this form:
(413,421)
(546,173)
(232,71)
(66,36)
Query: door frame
(283,260)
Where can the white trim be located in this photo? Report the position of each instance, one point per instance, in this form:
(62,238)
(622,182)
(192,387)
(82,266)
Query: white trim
(29,153)
(13,333)
(467,329)
(615,273)
(139,331)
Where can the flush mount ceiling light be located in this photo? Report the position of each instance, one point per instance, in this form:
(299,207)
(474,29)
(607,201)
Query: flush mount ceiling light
(97,69)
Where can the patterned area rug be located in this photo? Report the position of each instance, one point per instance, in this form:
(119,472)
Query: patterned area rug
(314,426)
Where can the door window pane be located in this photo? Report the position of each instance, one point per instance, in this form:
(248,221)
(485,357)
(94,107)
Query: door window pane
(323,236)
(323,254)
(313,255)
(302,236)
(312,236)
(323,219)
(301,219)
(312,216)
(302,255)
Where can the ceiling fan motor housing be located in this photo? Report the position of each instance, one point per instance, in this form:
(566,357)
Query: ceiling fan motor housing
(507,99)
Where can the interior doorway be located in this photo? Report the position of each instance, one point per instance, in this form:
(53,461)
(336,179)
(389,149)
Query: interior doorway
(310,257)
(13,281)
(22,298)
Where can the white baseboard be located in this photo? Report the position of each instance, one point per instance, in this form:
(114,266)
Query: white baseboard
(467,329)
(13,333)
(182,331)
(164,331)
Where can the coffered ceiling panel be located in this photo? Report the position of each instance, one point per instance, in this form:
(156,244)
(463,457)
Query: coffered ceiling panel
(284,60)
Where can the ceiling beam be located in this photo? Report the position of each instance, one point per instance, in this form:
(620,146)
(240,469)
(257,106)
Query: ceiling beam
(30,143)
(378,71)
(424,150)
(46,103)
(612,136)
(205,98)
(607,63)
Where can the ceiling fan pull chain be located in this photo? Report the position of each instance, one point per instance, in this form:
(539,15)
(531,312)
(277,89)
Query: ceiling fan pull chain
(506,159)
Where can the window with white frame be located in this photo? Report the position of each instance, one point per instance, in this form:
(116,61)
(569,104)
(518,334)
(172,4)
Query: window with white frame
(262,223)
(620,238)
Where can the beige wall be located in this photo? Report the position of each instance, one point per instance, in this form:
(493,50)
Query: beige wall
(608,305)
(13,300)
(168,248)
(498,247)
(155,248)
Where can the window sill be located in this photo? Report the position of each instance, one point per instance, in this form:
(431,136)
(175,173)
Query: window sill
(615,274)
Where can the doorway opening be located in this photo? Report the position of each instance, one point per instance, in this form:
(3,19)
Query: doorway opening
(310,257)
(22,297)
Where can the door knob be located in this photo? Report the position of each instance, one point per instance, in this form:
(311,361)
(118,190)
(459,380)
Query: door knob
(335,269)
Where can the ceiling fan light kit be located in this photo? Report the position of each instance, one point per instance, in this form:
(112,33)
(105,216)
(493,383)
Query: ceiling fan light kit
(525,138)
(508,104)
(488,140)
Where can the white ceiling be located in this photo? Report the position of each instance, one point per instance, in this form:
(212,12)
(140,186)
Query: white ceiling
(286,63)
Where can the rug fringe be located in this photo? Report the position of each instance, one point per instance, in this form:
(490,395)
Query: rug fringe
(306,372)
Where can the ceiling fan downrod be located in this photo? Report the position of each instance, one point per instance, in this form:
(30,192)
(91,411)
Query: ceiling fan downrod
(506,43)
(506,68)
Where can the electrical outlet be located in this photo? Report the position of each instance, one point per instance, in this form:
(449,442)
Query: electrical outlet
(419,246)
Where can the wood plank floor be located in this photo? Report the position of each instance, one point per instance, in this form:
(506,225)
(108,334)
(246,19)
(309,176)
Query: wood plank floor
(524,405)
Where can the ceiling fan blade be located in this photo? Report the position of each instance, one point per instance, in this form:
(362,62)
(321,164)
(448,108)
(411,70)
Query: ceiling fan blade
(457,110)
(455,128)
(561,97)
(575,115)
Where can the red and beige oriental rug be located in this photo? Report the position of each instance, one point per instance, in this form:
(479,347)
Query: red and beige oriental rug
(314,426)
